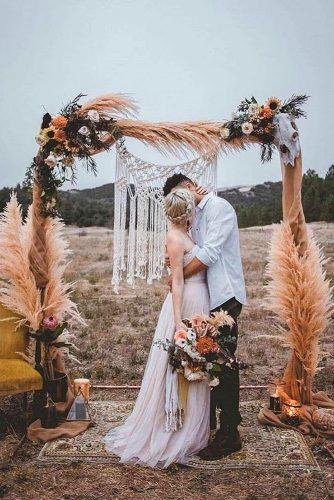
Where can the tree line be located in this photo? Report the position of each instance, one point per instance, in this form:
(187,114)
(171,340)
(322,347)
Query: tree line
(95,207)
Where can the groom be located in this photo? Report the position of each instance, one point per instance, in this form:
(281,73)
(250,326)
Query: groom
(215,231)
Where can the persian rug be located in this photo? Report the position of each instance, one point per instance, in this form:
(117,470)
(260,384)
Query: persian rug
(263,447)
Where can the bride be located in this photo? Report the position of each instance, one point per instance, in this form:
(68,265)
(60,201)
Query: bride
(160,429)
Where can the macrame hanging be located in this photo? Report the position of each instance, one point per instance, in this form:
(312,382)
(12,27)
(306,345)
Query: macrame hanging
(139,205)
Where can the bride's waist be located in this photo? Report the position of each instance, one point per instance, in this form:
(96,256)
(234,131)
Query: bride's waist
(197,278)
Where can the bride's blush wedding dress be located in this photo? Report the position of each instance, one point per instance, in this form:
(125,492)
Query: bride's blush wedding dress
(143,438)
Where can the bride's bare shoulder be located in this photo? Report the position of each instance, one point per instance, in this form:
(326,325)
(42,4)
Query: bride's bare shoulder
(175,239)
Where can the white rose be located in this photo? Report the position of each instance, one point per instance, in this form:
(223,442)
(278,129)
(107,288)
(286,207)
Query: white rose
(51,160)
(254,109)
(247,128)
(84,130)
(214,382)
(93,115)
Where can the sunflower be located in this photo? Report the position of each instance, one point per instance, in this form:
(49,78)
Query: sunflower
(274,104)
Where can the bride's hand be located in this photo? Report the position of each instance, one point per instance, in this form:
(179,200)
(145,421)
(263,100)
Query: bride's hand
(180,326)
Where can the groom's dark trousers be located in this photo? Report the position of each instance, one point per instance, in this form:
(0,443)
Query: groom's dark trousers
(225,396)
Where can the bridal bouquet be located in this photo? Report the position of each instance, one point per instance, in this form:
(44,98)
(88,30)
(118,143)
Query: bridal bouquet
(198,351)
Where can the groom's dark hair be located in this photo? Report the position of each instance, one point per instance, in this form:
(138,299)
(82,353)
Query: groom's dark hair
(175,180)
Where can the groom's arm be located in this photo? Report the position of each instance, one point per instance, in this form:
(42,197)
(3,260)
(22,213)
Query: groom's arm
(220,223)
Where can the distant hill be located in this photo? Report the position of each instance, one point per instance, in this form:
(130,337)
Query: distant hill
(255,205)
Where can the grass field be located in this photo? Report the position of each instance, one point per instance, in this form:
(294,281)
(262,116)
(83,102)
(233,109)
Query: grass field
(113,349)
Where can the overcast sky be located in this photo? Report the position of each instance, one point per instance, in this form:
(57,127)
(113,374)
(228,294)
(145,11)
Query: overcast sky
(180,59)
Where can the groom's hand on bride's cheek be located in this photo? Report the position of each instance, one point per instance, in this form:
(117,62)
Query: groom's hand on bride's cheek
(202,190)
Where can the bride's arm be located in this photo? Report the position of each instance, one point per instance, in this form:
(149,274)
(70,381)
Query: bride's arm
(175,251)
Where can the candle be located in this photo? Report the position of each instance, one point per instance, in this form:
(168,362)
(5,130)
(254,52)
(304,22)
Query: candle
(275,392)
(291,411)
(275,402)
(49,416)
(81,386)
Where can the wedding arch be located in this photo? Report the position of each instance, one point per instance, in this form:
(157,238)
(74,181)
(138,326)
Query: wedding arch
(298,290)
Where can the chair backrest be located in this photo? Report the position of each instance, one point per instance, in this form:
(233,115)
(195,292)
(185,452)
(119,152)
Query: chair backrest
(12,340)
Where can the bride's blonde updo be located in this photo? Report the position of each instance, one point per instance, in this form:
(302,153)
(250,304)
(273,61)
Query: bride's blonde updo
(179,206)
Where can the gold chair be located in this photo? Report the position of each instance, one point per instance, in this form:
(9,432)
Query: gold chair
(16,375)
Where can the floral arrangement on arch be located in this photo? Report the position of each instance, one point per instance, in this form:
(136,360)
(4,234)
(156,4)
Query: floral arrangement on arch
(77,132)
(253,119)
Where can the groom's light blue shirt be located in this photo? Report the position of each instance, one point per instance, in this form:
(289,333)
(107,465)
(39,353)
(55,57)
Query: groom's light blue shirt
(215,231)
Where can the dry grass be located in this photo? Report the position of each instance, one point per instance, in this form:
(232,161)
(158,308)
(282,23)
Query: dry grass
(114,323)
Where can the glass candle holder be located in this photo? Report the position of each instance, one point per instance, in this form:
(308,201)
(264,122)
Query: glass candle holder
(82,386)
(275,392)
(291,410)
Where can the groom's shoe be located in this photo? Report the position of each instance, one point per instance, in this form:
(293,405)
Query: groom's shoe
(215,450)
(232,443)
(222,446)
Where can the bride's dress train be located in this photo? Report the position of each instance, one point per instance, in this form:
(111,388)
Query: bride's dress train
(143,438)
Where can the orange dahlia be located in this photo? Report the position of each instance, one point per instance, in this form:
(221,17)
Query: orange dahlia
(59,121)
(206,345)
(60,135)
(266,113)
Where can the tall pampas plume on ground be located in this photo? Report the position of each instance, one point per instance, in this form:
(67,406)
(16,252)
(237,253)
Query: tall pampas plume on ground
(300,295)
(18,290)
(57,295)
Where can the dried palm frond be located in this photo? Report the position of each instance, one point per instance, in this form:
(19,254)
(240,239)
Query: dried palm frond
(178,138)
(18,290)
(57,295)
(300,295)
(111,105)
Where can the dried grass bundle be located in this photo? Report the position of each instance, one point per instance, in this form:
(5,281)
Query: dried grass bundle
(57,294)
(18,289)
(300,295)
(111,105)
(178,138)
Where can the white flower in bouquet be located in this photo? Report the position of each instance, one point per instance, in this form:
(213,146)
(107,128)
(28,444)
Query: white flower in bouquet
(214,382)
(180,342)
(191,335)
(84,131)
(184,363)
(209,366)
(247,128)
(51,160)
(93,115)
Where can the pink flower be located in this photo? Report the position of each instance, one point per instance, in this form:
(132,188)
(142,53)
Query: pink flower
(50,322)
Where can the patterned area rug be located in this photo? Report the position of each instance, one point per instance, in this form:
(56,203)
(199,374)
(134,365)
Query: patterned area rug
(263,447)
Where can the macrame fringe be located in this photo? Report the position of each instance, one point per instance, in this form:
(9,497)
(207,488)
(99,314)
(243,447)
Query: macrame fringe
(139,203)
